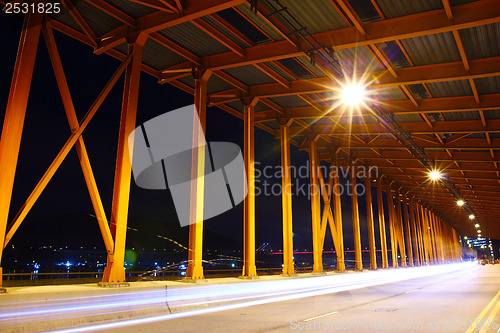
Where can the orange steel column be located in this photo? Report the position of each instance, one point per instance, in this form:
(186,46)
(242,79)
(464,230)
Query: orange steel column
(195,265)
(115,272)
(358,259)
(425,236)
(338,216)
(392,213)
(381,223)
(288,265)
(370,222)
(14,118)
(413,227)
(408,231)
(249,268)
(399,230)
(315,206)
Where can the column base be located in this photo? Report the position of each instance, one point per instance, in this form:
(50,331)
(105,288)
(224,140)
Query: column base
(246,277)
(113,284)
(197,281)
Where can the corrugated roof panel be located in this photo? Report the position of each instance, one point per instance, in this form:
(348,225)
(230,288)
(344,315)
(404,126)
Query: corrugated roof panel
(465,115)
(460,2)
(158,56)
(98,21)
(488,85)
(482,41)
(317,16)
(236,105)
(492,114)
(357,60)
(189,80)
(249,75)
(432,49)
(257,19)
(450,88)
(385,94)
(66,18)
(407,118)
(194,39)
(289,101)
(131,8)
(261,107)
(279,71)
(307,63)
(226,32)
(272,123)
(216,84)
(397,8)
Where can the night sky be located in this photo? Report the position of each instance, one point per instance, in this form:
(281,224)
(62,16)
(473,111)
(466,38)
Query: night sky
(46,129)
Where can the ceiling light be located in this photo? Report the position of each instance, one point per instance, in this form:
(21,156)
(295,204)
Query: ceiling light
(460,203)
(353,95)
(479,231)
(435,175)
(472,217)
(477,225)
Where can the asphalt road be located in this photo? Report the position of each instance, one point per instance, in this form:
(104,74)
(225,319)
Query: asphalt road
(448,302)
(442,298)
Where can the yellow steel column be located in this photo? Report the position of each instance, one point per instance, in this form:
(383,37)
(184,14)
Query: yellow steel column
(418,215)
(369,220)
(399,229)
(433,237)
(195,256)
(315,206)
(432,254)
(408,231)
(425,236)
(392,213)
(381,223)
(355,222)
(114,271)
(338,215)
(249,268)
(286,195)
(14,117)
(413,227)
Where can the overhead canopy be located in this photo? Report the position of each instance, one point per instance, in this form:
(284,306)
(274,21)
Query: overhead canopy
(433,65)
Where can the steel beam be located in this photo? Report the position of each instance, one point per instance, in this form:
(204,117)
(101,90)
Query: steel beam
(427,23)
(249,268)
(358,259)
(14,117)
(114,273)
(381,224)
(370,222)
(195,257)
(337,198)
(314,168)
(80,145)
(409,243)
(288,264)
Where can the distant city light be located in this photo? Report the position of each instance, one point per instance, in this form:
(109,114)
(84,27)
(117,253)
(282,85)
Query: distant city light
(460,203)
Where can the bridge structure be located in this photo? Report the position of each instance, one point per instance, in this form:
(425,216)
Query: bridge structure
(431,70)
